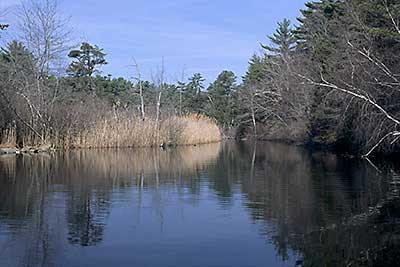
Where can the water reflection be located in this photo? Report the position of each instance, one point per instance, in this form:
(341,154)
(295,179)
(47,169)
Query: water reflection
(154,207)
(333,211)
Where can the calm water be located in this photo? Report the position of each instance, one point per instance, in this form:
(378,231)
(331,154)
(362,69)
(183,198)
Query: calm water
(226,204)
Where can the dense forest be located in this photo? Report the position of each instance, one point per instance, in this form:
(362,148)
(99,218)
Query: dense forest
(327,80)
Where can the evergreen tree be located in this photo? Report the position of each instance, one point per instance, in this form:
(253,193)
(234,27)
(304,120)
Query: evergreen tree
(118,91)
(17,54)
(321,23)
(283,40)
(170,100)
(86,60)
(221,93)
(192,96)
(256,71)
(321,34)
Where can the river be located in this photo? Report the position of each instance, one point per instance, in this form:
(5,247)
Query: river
(229,204)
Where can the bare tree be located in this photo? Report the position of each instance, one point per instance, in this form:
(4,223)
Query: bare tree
(276,100)
(369,83)
(159,80)
(140,84)
(45,32)
(364,96)
(18,73)
(45,35)
(181,85)
(247,97)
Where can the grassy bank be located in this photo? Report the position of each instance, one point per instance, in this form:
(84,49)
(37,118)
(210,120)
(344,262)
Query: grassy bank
(126,131)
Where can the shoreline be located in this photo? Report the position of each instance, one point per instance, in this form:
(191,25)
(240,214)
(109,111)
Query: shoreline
(9,150)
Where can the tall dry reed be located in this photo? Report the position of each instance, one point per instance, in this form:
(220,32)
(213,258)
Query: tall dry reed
(8,138)
(125,131)
(198,129)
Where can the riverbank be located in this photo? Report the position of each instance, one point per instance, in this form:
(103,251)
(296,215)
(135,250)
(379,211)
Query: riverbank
(26,150)
(121,132)
(300,135)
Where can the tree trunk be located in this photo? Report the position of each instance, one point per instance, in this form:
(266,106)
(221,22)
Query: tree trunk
(253,118)
(141,101)
(19,135)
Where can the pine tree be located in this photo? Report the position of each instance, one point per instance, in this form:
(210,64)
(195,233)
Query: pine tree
(192,94)
(86,60)
(320,41)
(18,55)
(282,41)
(256,71)
(221,95)
(319,26)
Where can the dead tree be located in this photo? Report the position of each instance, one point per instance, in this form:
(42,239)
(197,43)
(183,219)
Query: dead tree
(140,84)
(45,32)
(352,91)
(160,83)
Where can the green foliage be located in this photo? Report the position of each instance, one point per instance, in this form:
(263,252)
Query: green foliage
(192,94)
(318,25)
(170,100)
(222,98)
(378,17)
(283,40)
(256,71)
(350,43)
(118,91)
(321,40)
(17,57)
(86,60)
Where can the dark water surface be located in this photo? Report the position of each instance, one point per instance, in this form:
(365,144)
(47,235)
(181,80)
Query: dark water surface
(226,204)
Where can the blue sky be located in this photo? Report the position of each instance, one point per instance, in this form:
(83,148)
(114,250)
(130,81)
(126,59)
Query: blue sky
(196,35)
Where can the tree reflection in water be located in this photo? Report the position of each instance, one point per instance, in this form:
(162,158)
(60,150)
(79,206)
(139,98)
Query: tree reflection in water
(331,210)
(328,210)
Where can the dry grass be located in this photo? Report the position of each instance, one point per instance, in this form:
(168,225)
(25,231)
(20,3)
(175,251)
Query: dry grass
(132,132)
(129,131)
(198,129)
(8,138)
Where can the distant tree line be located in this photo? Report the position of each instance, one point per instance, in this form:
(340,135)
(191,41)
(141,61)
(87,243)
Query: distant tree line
(331,80)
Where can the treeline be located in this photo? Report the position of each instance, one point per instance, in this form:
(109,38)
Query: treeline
(332,80)
(45,101)
(328,81)
(40,107)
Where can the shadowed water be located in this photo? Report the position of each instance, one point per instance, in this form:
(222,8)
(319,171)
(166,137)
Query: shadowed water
(228,204)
